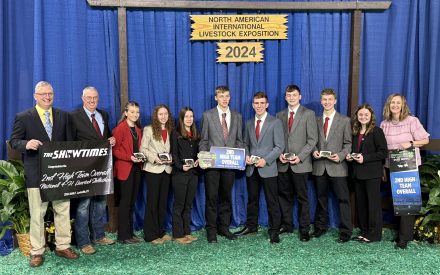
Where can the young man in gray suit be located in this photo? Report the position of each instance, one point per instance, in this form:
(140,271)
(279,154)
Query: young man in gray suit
(301,136)
(264,142)
(220,127)
(330,170)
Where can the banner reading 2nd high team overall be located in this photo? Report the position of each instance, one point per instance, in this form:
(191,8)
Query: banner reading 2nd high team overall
(75,169)
(405,182)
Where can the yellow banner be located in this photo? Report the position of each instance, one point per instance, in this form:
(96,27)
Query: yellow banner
(239,27)
(240,52)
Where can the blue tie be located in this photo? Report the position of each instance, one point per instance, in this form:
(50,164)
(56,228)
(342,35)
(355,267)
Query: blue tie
(48,124)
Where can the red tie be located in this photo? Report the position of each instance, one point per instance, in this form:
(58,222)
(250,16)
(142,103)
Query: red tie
(257,129)
(96,126)
(291,120)
(326,126)
(224,126)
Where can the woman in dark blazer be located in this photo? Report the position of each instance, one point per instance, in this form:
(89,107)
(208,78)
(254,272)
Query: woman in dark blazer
(369,149)
(184,148)
(127,169)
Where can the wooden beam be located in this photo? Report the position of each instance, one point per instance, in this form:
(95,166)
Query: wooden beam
(123,66)
(242,5)
(355,60)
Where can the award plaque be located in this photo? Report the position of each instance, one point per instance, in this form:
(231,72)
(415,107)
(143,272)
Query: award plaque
(206,159)
(189,162)
(289,156)
(255,159)
(164,156)
(140,156)
(325,154)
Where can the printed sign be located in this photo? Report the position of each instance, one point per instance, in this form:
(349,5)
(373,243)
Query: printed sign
(75,169)
(229,158)
(240,52)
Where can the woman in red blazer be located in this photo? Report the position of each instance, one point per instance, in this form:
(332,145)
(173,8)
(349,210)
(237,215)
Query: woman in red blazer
(127,169)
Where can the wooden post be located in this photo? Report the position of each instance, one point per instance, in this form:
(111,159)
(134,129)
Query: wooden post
(355,55)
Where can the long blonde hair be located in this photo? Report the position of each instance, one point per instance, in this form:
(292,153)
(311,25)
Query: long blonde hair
(404,112)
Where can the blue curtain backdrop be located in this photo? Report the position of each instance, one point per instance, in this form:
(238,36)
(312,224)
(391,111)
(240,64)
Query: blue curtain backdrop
(73,45)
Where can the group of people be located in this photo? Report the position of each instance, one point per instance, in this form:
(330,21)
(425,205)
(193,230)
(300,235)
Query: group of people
(281,152)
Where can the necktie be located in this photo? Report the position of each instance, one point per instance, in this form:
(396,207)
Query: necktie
(96,126)
(48,124)
(257,129)
(291,120)
(224,126)
(326,126)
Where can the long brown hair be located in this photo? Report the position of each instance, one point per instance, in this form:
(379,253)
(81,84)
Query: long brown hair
(124,117)
(404,112)
(155,123)
(357,126)
(181,124)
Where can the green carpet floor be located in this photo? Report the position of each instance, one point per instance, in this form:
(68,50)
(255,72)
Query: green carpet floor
(247,255)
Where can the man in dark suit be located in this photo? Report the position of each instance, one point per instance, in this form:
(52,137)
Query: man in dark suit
(90,123)
(301,135)
(220,127)
(31,128)
(264,142)
(331,171)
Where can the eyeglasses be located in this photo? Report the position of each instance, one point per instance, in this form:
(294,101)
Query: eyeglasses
(45,94)
(90,98)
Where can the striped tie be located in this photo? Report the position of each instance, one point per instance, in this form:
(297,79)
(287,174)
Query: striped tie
(48,124)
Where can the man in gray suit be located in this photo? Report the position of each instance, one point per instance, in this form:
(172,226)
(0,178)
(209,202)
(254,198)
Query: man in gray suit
(301,136)
(264,142)
(220,127)
(331,171)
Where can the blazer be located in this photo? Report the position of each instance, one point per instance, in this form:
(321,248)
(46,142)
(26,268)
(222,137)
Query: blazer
(269,146)
(123,149)
(181,149)
(151,147)
(374,150)
(82,127)
(301,140)
(27,126)
(212,133)
(338,141)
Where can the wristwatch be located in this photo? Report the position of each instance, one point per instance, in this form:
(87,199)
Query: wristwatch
(412,143)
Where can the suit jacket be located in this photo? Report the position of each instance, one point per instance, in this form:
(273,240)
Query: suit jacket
(151,147)
(181,149)
(269,146)
(338,141)
(123,149)
(27,126)
(82,127)
(301,140)
(374,150)
(212,133)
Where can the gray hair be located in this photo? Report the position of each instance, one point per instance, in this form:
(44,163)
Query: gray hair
(89,88)
(42,84)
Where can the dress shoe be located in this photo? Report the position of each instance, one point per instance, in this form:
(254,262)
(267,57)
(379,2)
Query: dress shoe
(228,235)
(343,238)
(88,250)
(274,239)
(285,230)
(131,241)
(182,240)
(67,253)
(358,238)
(318,233)
(212,239)
(401,245)
(166,238)
(36,260)
(104,241)
(191,238)
(246,231)
(304,236)
(157,241)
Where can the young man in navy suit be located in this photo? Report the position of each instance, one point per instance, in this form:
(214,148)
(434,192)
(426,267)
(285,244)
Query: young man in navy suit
(90,123)
(220,127)
(331,171)
(32,128)
(264,142)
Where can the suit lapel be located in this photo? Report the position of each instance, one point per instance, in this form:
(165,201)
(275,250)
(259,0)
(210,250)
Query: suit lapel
(37,121)
(320,128)
(334,125)
(89,124)
(296,119)
(217,123)
(263,129)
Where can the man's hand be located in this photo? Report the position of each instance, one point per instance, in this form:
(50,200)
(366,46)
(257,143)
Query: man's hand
(33,144)
(112,141)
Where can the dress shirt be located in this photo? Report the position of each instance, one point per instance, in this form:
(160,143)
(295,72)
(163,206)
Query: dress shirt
(41,114)
(228,116)
(330,121)
(98,118)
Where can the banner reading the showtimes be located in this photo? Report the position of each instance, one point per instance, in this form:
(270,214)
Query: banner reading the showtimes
(405,182)
(75,169)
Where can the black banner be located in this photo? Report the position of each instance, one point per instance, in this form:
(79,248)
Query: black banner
(75,169)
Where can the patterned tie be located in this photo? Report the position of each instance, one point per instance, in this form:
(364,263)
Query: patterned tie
(48,124)
(257,129)
(96,126)
(326,126)
(224,126)
(291,120)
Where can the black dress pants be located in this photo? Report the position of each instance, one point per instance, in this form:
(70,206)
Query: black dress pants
(156,209)
(270,187)
(289,184)
(218,188)
(184,189)
(340,190)
(127,191)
